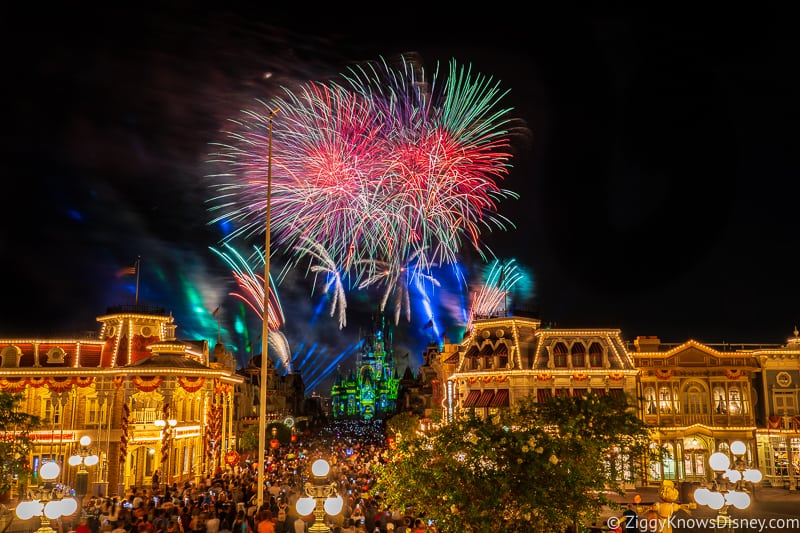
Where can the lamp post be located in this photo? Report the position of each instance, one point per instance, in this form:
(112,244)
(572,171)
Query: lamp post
(321,497)
(46,501)
(262,396)
(166,425)
(730,484)
(83,458)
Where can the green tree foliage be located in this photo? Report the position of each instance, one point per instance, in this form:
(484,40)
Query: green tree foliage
(535,466)
(248,440)
(403,424)
(15,442)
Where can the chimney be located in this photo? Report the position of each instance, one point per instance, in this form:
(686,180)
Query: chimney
(647,343)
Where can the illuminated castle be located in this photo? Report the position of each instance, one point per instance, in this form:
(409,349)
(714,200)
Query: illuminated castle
(368,391)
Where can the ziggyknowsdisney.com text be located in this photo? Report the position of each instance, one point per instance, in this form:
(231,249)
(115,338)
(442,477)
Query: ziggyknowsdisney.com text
(658,524)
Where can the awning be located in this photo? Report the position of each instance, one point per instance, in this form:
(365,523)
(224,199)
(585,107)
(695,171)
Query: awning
(485,399)
(472,398)
(542,395)
(500,399)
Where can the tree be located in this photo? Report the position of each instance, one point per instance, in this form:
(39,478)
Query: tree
(15,442)
(532,466)
(403,424)
(248,439)
(15,446)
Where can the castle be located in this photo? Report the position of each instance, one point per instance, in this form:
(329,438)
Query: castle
(369,390)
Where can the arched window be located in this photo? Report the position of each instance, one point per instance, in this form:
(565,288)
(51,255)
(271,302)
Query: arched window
(650,401)
(735,401)
(665,399)
(578,355)
(720,401)
(669,460)
(595,355)
(695,400)
(654,471)
(560,355)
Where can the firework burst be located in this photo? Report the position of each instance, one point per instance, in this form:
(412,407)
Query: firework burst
(491,298)
(251,285)
(371,173)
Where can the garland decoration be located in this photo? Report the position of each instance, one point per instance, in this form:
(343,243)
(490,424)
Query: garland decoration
(191,384)
(123,433)
(59,384)
(13,385)
(147,383)
(731,373)
(664,374)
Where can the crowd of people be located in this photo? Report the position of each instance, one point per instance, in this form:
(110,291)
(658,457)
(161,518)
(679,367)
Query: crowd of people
(227,501)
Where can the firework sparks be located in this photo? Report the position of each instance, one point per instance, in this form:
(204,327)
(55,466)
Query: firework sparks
(491,297)
(251,285)
(333,283)
(371,173)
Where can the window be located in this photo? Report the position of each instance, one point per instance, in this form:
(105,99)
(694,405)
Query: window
(785,402)
(665,399)
(695,400)
(668,461)
(95,413)
(51,410)
(560,355)
(720,401)
(578,355)
(735,400)
(595,355)
(650,401)
(10,356)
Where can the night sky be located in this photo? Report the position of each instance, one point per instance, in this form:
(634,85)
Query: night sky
(658,184)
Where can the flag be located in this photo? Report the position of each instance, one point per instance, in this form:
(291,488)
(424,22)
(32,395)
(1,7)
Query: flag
(127,271)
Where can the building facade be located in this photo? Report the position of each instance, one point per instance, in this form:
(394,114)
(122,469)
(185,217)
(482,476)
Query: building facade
(149,402)
(698,398)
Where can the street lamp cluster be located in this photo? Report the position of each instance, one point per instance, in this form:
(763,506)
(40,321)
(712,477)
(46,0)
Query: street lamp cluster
(729,488)
(83,458)
(46,501)
(321,497)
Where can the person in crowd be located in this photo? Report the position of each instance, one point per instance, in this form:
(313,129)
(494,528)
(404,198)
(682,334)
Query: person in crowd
(212,522)
(83,525)
(265,523)
(300,525)
(241,524)
(630,519)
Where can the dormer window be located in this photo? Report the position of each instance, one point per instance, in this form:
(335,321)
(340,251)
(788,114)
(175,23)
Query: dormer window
(56,355)
(10,356)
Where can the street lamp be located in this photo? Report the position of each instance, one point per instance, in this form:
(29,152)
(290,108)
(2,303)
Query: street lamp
(321,497)
(730,484)
(83,458)
(46,501)
(262,396)
(166,425)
